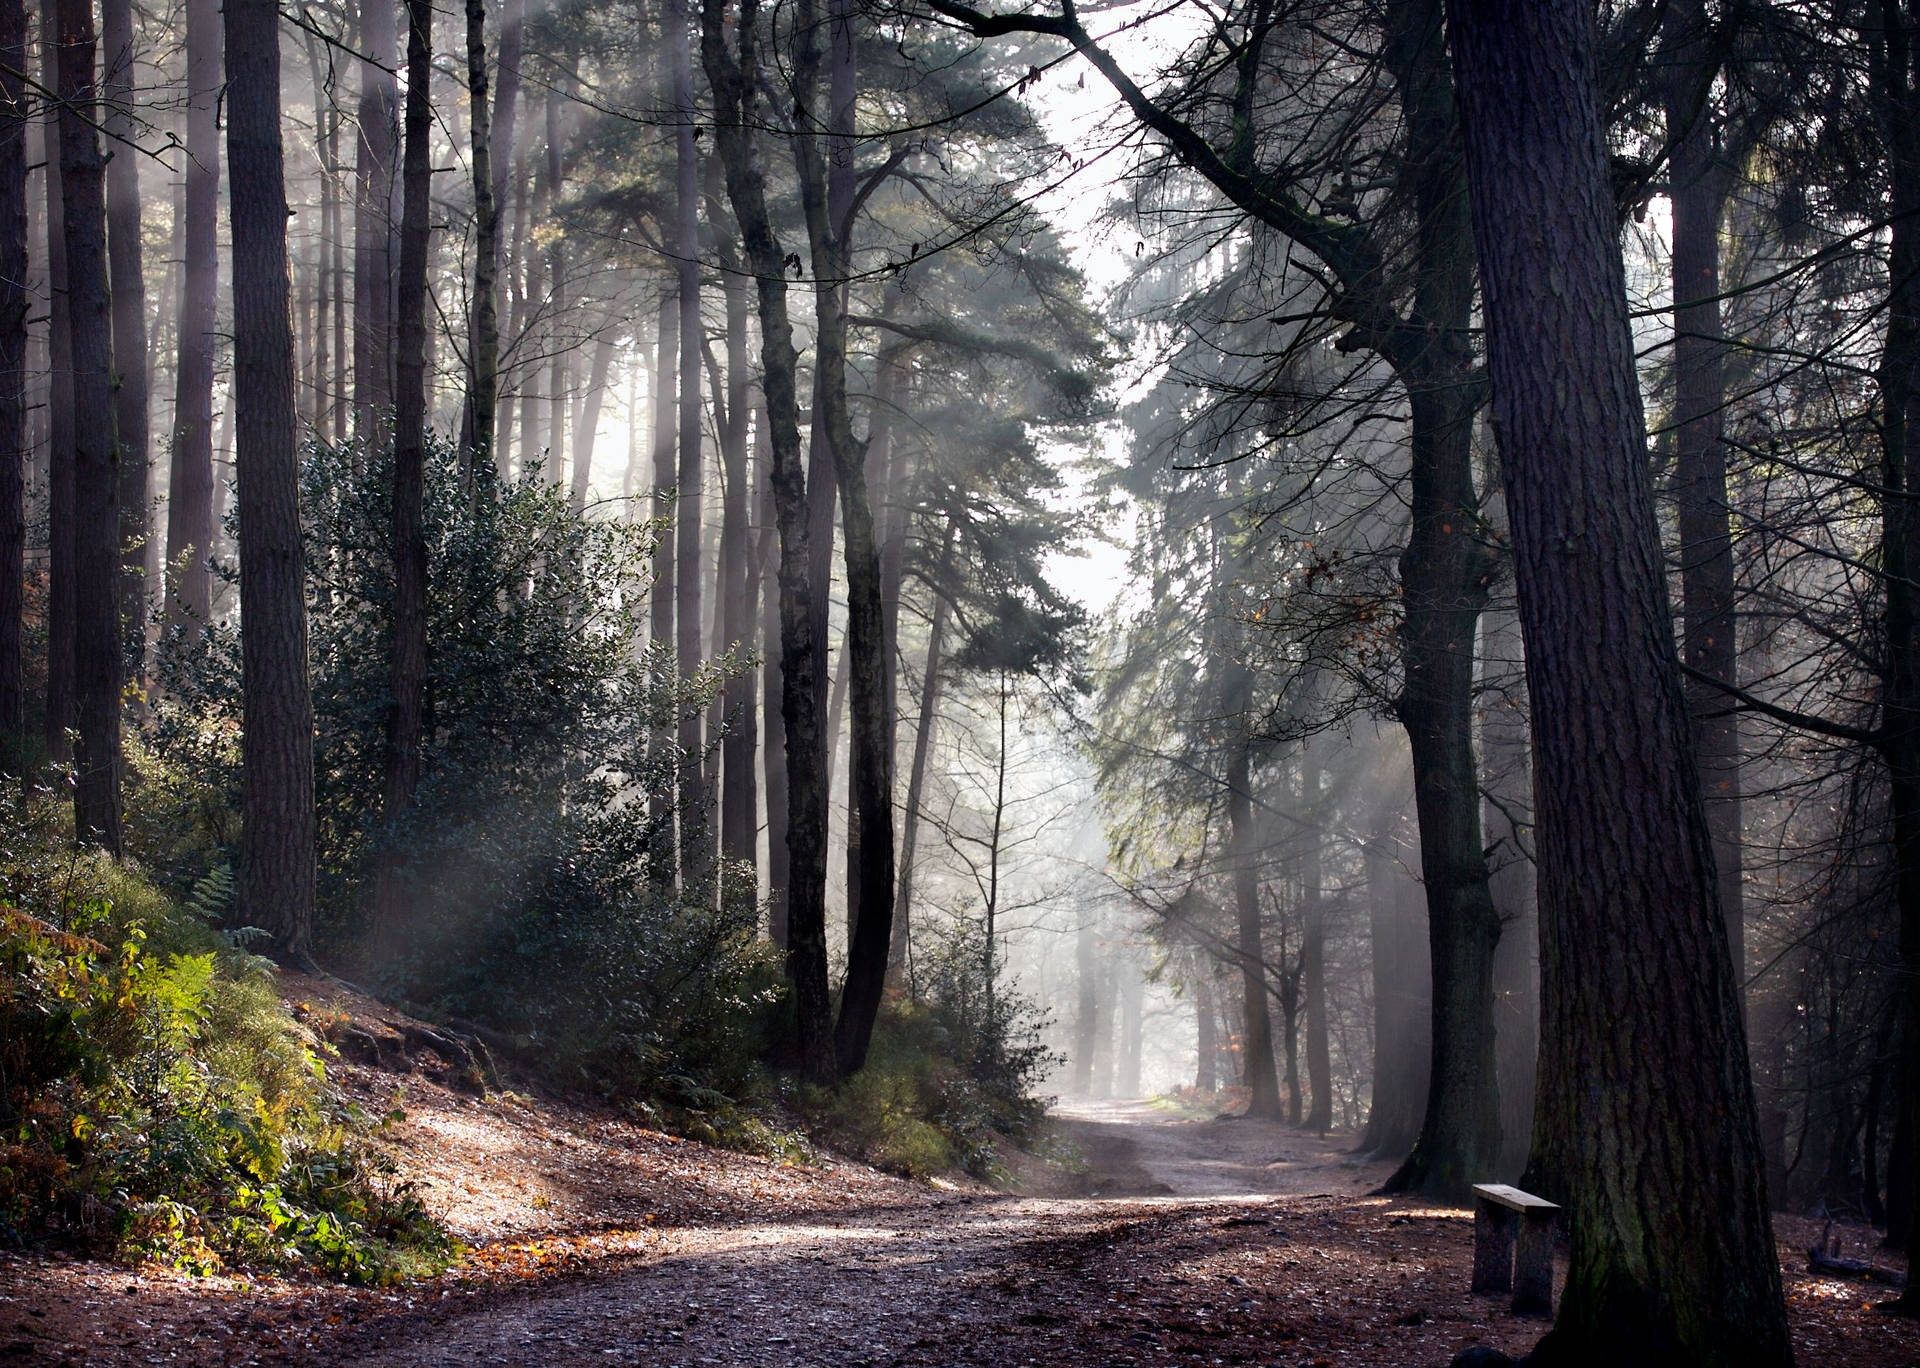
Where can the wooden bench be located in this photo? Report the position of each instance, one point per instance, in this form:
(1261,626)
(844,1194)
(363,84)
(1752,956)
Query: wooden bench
(1502,1262)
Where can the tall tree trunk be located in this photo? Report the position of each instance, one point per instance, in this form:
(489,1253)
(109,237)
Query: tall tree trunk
(586,419)
(1132,991)
(1516,981)
(1257,1065)
(1444,573)
(1288,990)
(870,773)
(538,331)
(59,715)
(407,661)
(377,153)
(96,475)
(1896,91)
(483,389)
(732,77)
(1708,642)
(738,799)
(664,858)
(1206,1048)
(931,680)
(190,474)
(560,304)
(277,836)
(128,280)
(1086,1026)
(1401,983)
(696,826)
(1313,953)
(14,301)
(1673,1259)
(773,749)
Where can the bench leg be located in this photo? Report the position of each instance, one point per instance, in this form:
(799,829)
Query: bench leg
(1492,1247)
(1533,1285)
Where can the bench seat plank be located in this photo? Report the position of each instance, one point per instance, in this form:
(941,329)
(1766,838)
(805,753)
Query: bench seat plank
(1513,1198)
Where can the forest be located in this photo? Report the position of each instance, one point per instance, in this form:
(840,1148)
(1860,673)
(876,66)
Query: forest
(1011,598)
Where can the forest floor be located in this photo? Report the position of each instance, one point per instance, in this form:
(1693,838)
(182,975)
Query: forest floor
(592,1240)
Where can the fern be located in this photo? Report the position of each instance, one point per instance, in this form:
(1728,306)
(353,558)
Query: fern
(213,894)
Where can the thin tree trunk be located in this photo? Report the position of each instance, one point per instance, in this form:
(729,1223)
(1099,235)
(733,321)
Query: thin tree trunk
(696,826)
(773,751)
(559,364)
(1132,991)
(190,475)
(1673,1259)
(732,77)
(1444,573)
(59,715)
(1313,953)
(1262,1082)
(587,419)
(277,838)
(931,681)
(737,572)
(1401,1053)
(129,304)
(373,377)
(484,388)
(870,777)
(14,302)
(1086,1027)
(664,860)
(1708,642)
(407,662)
(1516,983)
(1206,1048)
(96,477)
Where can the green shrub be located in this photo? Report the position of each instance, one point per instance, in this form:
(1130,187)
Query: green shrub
(155,1097)
(528,862)
(948,1078)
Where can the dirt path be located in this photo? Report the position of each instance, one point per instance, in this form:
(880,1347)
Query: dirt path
(1196,1242)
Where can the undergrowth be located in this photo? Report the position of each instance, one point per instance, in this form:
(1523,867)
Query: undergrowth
(951,1076)
(155,1097)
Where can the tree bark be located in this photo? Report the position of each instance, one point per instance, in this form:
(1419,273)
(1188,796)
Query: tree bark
(1086,1024)
(559,304)
(1673,1258)
(1313,955)
(14,308)
(931,682)
(59,714)
(1516,983)
(696,826)
(1895,87)
(870,770)
(483,389)
(1206,1049)
(1444,573)
(1402,1011)
(277,837)
(1708,639)
(129,304)
(664,860)
(1257,1064)
(732,77)
(190,474)
(96,475)
(738,799)
(586,419)
(407,659)
(377,154)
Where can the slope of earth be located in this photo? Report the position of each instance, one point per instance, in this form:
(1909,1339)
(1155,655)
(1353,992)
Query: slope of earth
(595,1241)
